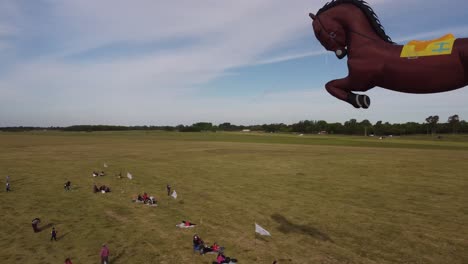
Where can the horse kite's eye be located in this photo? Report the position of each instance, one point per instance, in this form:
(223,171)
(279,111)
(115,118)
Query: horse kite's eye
(332,35)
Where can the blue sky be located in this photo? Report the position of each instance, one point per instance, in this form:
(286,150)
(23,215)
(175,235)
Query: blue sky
(153,62)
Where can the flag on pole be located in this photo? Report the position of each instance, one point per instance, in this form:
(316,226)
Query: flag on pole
(261,230)
(174,194)
(105,165)
(129,175)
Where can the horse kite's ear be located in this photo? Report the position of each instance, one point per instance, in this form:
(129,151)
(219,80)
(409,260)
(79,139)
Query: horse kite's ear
(312,16)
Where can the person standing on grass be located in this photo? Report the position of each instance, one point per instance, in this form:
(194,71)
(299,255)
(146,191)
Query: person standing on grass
(8,187)
(104,254)
(68,261)
(53,234)
(168,188)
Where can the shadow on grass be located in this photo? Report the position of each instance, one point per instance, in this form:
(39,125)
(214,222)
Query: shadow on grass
(288,227)
(42,228)
(116,258)
(62,236)
(260,237)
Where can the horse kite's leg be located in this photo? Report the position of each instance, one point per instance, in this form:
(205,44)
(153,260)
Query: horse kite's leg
(341,89)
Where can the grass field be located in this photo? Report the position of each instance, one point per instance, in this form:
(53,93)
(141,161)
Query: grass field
(324,199)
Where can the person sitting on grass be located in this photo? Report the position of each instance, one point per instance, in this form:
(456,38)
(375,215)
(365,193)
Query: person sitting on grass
(187,223)
(204,249)
(145,197)
(221,259)
(102,173)
(95,174)
(67,186)
(36,222)
(197,243)
(140,198)
(104,189)
(95,189)
(216,248)
(152,201)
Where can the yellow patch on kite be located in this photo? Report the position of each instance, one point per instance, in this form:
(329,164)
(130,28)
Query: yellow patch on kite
(417,48)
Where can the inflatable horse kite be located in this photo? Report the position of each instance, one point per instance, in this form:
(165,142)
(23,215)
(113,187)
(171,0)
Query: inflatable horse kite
(351,28)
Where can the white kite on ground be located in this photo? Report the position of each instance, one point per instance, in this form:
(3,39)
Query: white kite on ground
(174,194)
(129,175)
(262,231)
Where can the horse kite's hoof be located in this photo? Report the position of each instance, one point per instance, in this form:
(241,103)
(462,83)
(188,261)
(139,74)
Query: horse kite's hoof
(364,100)
(359,100)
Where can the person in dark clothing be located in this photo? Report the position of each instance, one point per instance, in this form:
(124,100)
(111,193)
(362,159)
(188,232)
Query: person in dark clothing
(204,249)
(35,222)
(68,261)
(197,243)
(168,188)
(67,186)
(53,234)
(8,187)
(95,189)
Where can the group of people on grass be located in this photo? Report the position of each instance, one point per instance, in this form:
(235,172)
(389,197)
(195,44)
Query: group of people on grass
(102,188)
(95,173)
(146,199)
(200,246)
(104,256)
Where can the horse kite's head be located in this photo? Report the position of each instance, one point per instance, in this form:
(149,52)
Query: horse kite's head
(330,34)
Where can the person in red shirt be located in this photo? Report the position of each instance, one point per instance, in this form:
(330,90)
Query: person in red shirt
(220,258)
(104,254)
(215,247)
(68,261)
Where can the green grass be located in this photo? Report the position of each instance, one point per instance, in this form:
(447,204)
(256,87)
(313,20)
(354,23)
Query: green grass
(324,198)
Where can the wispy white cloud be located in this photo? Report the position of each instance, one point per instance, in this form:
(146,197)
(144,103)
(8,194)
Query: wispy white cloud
(159,85)
(461,31)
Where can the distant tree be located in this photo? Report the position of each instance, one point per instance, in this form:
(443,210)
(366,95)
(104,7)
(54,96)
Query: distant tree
(336,128)
(351,126)
(227,127)
(432,123)
(366,126)
(454,122)
(321,125)
(202,126)
(378,128)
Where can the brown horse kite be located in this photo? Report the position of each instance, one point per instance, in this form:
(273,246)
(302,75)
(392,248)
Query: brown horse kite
(351,28)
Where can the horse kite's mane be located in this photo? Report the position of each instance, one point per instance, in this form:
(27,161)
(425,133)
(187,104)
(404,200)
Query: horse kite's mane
(367,10)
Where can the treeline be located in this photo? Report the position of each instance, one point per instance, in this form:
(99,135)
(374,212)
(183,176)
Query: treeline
(351,127)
